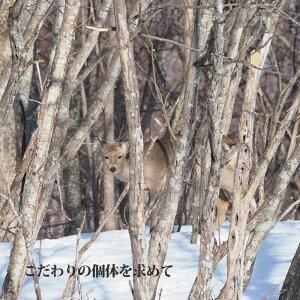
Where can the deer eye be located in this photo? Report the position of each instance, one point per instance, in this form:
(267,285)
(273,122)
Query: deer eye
(106,157)
(120,156)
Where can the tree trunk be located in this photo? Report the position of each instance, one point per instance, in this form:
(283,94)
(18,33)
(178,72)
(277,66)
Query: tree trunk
(33,185)
(108,179)
(240,210)
(8,159)
(202,288)
(291,286)
(136,172)
(72,179)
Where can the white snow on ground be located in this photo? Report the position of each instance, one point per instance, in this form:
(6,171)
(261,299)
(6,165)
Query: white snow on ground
(113,247)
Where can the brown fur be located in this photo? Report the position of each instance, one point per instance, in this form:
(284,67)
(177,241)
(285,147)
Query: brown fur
(155,165)
(221,211)
(156,161)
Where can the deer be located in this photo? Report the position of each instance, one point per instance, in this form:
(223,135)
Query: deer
(157,158)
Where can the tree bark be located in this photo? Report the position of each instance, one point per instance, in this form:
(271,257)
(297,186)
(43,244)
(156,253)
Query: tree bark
(265,217)
(72,179)
(19,74)
(236,242)
(108,179)
(35,176)
(183,124)
(202,288)
(291,286)
(21,46)
(136,172)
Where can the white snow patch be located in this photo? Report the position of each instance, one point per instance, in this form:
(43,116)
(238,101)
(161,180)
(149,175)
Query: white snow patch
(113,247)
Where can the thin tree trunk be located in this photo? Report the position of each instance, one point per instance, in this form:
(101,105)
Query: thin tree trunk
(72,179)
(21,49)
(204,28)
(8,159)
(179,152)
(108,179)
(291,286)
(265,217)
(92,42)
(35,175)
(202,288)
(136,170)
(5,50)
(237,234)
(19,88)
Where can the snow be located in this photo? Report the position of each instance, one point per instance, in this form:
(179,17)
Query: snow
(113,247)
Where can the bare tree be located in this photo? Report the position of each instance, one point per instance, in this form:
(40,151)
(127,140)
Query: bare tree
(36,172)
(136,183)
(290,288)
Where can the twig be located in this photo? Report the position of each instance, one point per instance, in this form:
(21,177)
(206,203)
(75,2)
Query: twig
(159,95)
(89,243)
(160,293)
(61,199)
(103,29)
(293,138)
(24,164)
(288,210)
(39,75)
(76,277)
(131,288)
(58,224)
(170,41)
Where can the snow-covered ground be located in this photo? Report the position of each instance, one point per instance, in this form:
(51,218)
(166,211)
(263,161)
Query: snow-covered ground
(114,248)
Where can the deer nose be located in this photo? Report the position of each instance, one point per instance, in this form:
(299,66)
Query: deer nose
(113,169)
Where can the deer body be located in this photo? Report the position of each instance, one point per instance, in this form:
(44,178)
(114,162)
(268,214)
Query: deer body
(155,165)
(157,158)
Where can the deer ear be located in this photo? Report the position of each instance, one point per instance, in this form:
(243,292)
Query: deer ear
(126,145)
(101,147)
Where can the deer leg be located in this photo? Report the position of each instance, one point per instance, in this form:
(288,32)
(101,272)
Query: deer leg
(221,210)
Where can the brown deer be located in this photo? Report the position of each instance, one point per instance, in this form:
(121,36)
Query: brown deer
(157,158)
